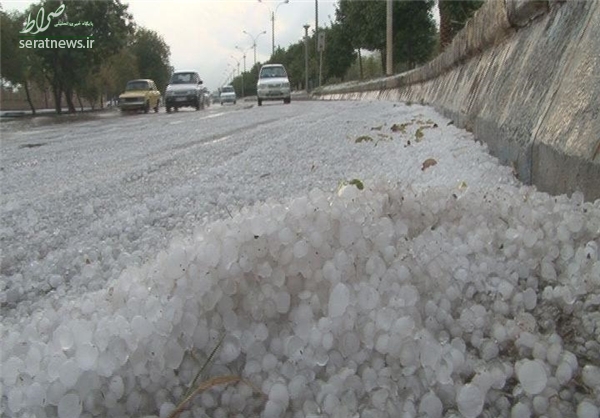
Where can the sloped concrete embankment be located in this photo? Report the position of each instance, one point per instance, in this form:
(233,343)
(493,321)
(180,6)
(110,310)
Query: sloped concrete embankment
(524,76)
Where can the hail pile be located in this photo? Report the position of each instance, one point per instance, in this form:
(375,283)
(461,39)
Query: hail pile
(384,302)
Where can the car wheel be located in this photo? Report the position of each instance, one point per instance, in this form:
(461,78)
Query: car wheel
(168,109)
(157,106)
(287,100)
(260,102)
(147,107)
(234,102)
(176,109)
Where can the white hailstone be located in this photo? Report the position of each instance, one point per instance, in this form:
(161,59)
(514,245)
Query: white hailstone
(540,404)
(36,395)
(553,354)
(430,406)
(301,249)
(173,354)
(69,406)
(564,372)
(532,376)
(586,409)
(166,409)
(117,387)
(86,356)
(349,344)
(11,369)
(529,299)
(339,299)
(470,400)
(279,394)
(16,399)
(282,301)
(69,373)
(230,349)
(520,410)
(591,376)
(368,297)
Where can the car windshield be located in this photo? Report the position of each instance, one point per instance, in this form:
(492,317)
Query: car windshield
(183,78)
(227,90)
(137,85)
(272,72)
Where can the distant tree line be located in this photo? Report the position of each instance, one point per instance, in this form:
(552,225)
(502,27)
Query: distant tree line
(359,27)
(121,51)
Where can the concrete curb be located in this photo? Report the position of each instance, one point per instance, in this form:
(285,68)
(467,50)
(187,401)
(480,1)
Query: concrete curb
(524,76)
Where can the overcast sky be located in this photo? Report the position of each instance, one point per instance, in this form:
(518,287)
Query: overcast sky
(203,34)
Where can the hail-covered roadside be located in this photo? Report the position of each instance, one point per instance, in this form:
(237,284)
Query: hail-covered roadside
(431,283)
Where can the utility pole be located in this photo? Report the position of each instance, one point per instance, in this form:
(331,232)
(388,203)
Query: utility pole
(389,68)
(317,37)
(306,56)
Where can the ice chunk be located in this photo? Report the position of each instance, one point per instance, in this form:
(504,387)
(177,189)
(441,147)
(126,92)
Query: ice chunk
(279,394)
(470,400)
(591,376)
(532,375)
(368,297)
(69,373)
(338,300)
(430,406)
(69,406)
(350,344)
(587,409)
(64,337)
(520,410)
(86,356)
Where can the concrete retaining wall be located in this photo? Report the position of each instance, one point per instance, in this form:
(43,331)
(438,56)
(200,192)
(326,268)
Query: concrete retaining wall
(524,76)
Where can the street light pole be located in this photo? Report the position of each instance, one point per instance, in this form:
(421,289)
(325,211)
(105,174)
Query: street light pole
(273,24)
(254,38)
(306,56)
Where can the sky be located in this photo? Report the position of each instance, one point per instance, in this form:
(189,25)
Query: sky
(203,34)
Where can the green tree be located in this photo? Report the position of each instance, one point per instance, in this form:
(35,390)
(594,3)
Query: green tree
(18,64)
(68,69)
(453,16)
(116,71)
(339,54)
(152,55)
(413,28)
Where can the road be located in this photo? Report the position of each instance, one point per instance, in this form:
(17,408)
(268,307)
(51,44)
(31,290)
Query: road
(84,197)
(113,265)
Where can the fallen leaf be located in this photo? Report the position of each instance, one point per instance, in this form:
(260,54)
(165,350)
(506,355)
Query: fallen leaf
(428,163)
(419,134)
(377,128)
(356,182)
(363,138)
(400,127)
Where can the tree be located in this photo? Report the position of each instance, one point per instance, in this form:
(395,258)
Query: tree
(152,55)
(413,28)
(339,53)
(453,16)
(18,65)
(67,69)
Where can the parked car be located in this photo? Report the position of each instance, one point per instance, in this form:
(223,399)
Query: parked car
(140,94)
(227,95)
(273,84)
(184,90)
